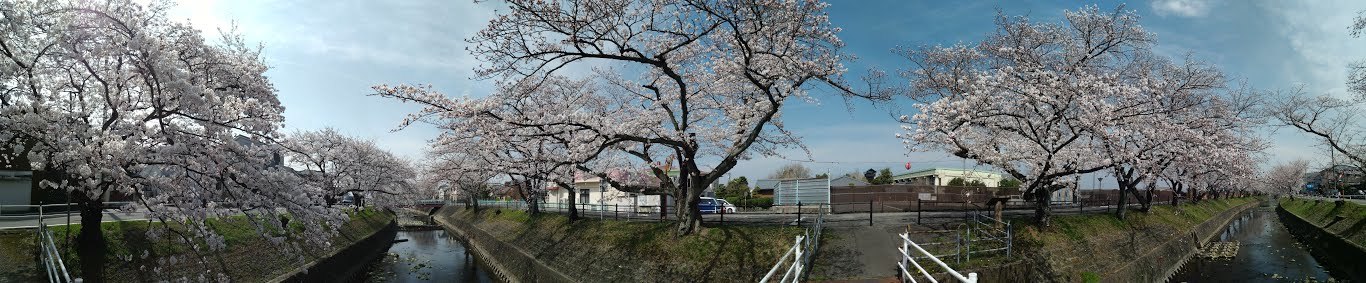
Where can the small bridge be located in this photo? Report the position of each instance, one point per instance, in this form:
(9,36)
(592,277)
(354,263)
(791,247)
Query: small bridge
(411,219)
(429,205)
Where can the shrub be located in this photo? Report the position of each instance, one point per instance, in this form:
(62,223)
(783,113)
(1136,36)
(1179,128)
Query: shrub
(760,202)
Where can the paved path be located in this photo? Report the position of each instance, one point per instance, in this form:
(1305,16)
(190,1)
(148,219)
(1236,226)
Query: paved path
(31,221)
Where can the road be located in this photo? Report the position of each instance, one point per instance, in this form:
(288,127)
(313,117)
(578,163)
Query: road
(31,221)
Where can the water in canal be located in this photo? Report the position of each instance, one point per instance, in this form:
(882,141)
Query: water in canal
(427,256)
(1267,252)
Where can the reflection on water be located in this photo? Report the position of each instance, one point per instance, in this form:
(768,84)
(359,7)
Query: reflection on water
(427,256)
(1267,252)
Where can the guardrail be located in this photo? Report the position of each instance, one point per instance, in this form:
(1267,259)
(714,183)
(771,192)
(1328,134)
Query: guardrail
(907,247)
(794,269)
(51,258)
(27,210)
(804,247)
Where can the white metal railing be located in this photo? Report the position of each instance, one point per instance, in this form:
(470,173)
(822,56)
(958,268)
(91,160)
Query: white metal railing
(908,247)
(794,269)
(51,257)
(34,210)
(804,247)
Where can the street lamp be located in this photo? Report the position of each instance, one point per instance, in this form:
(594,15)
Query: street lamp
(1101,179)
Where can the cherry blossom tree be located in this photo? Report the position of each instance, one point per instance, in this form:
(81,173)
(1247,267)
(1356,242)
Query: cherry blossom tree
(1335,121)
(1356,80)
(1030,98)
(1045,101)
(342,165)
(703,81)
(1287,177)
(455,175)
(1150,129)
(110,97)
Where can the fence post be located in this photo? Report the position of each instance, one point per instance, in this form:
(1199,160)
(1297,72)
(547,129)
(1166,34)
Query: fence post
(905,260)
(798,262)
(958,248)
(918,209)
(968,245)
(870,211)
(799,212)
(1010,237)
(723,215)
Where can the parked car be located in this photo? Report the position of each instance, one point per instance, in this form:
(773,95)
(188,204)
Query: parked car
(730,208)
(714,205)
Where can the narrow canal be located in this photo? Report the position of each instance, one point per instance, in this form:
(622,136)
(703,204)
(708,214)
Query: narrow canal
(427,256)
(1267,252)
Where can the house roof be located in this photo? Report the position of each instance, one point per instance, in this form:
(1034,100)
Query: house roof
(765,184)
(848,180)
(944,168)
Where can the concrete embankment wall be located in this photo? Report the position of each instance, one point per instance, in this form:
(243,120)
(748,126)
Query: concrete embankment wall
(509,263)
(1151,260)
(345,264)
(1343,257)
(1163,261)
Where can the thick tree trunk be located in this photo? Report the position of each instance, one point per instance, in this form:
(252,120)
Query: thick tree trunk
(1147,203)
(1176,195)
(1042,209)
(1122,205)
(690,215)
(91,246)
(532,201)
(533,206)
(573,208)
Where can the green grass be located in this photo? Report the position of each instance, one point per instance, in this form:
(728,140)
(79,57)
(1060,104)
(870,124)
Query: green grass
(1090,277)
(248,256)
(610,250)
(1084,246)
(1346,219)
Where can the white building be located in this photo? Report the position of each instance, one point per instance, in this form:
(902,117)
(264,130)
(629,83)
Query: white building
(942,176)
(592,194)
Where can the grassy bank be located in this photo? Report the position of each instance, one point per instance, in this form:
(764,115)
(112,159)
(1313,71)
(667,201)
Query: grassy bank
(247,257)
(1085,247)
(1345,219)
(621,251)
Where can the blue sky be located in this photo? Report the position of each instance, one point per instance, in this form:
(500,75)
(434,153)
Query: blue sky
(326,54)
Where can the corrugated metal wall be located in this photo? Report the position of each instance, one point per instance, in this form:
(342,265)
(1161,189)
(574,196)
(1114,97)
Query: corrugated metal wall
(806,191)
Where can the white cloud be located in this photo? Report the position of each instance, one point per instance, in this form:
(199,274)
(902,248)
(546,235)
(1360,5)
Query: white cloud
(1182,8)
(1322,45)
